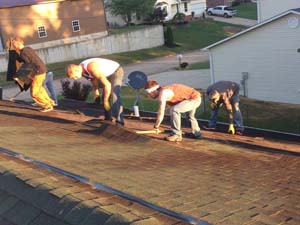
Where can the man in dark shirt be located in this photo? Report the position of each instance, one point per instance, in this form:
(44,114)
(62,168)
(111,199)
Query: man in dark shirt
(37,91)
(227,93)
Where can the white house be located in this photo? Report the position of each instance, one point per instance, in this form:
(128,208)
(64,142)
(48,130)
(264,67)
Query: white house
(171,7)
(269,8)
(265,59)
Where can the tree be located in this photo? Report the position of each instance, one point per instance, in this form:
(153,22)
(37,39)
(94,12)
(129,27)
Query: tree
(128,8)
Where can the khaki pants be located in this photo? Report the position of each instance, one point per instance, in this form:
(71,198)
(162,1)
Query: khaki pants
(38,92)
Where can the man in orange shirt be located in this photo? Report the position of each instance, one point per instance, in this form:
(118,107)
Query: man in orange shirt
(180,99)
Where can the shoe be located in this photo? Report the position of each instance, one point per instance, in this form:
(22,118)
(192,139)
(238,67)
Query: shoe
(34,104)
(208,128)
(119,123)
(174,137)
(47,109)
(238,133)
(191,135)
(55,104)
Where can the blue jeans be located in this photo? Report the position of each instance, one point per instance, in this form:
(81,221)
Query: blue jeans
(189,107)
(237,115)
(48,82)
(116,80)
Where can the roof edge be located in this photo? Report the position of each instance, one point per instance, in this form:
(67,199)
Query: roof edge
(291,11)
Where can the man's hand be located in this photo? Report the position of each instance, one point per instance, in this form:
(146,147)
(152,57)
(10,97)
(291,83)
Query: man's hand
(97,100)
(231,129)
(156,128)
(106,105)
(213,106)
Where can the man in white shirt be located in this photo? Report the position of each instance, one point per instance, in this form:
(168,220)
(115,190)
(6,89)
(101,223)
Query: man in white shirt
(110,74)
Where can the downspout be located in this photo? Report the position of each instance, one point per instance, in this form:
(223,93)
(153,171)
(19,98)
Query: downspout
(258,11)
(211,63)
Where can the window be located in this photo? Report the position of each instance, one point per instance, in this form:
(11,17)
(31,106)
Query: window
(42,32)
(185,7)
(75,25)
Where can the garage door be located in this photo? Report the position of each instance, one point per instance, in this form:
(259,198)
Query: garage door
(198,8)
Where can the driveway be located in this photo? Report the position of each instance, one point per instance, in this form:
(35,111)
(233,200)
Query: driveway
(235,20)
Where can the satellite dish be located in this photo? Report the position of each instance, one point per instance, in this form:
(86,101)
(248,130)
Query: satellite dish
(137,79)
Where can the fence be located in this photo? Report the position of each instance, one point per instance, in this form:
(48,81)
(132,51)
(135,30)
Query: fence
(92,46)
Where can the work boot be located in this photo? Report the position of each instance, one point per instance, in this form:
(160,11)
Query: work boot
(237,132)
(174,137)
(208,128)
(194,136)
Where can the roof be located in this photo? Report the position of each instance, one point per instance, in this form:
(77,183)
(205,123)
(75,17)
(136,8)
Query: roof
(15,3)
(291,11)
(203,179)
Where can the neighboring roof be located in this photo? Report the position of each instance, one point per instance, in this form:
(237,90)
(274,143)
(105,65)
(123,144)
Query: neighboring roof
(15,3)
(291,11)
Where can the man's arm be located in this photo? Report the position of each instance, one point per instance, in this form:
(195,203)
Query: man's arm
(228,107)
(95,88)
(162,98)
(95,70)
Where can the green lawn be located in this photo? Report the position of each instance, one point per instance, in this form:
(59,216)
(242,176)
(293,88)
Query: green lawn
(247,10)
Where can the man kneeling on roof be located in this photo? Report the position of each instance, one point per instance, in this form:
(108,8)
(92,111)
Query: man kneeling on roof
(180,99)
(226,92)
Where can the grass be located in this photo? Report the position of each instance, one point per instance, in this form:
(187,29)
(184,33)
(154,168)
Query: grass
(247,10)
(199,66)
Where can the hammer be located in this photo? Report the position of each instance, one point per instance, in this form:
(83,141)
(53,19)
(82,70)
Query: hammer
(153,131)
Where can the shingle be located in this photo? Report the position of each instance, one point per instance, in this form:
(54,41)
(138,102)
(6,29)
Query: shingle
(22,213)
(7,203)
(46,220)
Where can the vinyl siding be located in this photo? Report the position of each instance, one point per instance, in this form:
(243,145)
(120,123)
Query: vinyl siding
(269,54)
(270,8)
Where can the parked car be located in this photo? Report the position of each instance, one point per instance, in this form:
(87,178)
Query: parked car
(222,10)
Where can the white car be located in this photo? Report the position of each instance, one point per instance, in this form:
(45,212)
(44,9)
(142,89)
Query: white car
(222,10)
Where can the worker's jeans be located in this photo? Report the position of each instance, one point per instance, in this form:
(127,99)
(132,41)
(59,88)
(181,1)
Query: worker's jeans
(48,82)
(237,115)
(38,92)
(189,107)
(116,80)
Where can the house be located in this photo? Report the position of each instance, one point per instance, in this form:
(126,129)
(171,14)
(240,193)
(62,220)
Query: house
(43,21)
(188,7)
(264,58)
(167,7)
(269,8)
(213,3)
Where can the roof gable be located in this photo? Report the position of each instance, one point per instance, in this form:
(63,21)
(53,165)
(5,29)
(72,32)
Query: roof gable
(292,11)
(15,3)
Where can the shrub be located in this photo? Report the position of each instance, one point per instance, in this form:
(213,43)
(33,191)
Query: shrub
(169,39)
(78,91)
(179,18)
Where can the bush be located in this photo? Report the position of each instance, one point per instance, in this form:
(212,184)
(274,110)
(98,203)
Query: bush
(78,91)
(169,39)
(179,18)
